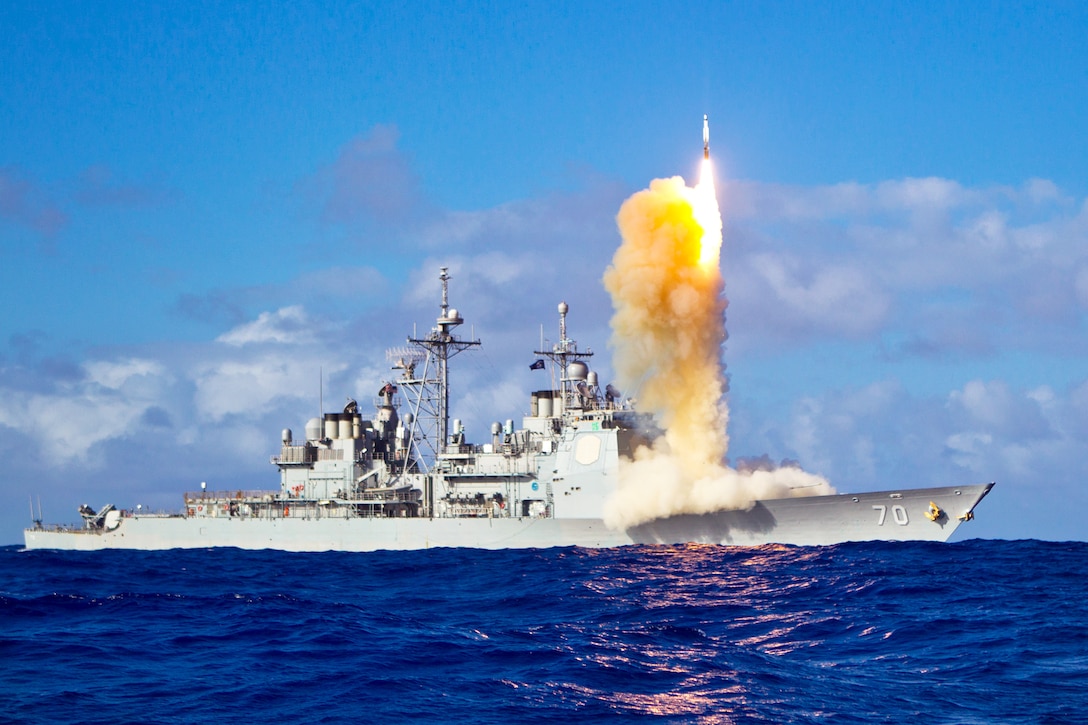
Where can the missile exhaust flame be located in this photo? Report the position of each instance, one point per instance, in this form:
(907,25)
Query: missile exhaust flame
(668,328)
(706,138)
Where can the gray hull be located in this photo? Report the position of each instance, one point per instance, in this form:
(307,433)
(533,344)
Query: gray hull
(821,520)
(818,520)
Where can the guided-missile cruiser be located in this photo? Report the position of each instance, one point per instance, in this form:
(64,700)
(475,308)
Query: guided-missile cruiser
(407,477)
(706,137)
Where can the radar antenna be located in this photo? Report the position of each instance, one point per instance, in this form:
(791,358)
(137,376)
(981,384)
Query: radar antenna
(562,354)
(433,350)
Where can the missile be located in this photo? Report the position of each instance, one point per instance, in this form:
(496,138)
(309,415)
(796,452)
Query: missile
(706,137)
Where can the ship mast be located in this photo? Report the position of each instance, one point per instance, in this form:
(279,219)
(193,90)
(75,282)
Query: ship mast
(441,344)
(563,354)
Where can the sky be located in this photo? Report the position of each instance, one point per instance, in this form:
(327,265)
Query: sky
(213,217)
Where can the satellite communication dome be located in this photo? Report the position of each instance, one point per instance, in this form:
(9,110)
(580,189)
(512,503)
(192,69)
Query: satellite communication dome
(577,371)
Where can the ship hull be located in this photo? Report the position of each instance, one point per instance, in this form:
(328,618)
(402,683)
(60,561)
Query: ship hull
(822,520)
(810,521)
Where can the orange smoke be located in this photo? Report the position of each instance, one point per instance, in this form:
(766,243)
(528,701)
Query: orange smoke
(667,334)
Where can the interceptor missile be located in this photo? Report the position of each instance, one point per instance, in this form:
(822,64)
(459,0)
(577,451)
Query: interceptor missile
(706,137)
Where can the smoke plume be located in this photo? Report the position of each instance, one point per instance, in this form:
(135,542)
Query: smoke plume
(667,334)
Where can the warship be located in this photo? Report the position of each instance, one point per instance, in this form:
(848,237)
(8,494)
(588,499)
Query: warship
(405,477)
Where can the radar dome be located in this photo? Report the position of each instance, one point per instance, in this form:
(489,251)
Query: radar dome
(577,371)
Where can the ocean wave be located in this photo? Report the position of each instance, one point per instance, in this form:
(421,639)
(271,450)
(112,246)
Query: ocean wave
(977,631)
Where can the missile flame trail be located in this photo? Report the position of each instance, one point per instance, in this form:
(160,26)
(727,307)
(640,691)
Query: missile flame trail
(668,329)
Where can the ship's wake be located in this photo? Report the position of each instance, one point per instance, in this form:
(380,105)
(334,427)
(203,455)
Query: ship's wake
(667,334)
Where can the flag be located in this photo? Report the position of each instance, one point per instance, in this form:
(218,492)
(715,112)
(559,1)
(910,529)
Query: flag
(538,365)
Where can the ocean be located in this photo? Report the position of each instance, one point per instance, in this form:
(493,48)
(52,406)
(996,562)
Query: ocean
(970,632)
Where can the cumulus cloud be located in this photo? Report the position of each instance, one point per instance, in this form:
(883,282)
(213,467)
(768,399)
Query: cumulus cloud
(841,299)
(286,325)
(523,258)
(949,267)
(994,407)
(247,387)
(116,374)
(72,418)
(923,197)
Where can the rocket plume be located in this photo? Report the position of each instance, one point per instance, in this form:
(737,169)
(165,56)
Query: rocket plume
(668,329)
(667,334)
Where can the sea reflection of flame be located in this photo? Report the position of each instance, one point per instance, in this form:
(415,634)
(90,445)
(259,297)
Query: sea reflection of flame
(691,631)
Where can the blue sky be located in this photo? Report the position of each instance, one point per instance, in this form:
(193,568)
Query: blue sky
(202,206)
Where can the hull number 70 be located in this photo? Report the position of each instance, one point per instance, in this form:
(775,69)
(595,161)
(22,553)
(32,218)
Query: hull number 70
(898,513)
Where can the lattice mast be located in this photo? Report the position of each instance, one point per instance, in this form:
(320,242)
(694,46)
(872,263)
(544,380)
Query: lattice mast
(441,345)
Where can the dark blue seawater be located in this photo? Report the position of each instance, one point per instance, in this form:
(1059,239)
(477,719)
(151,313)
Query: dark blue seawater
(973,632)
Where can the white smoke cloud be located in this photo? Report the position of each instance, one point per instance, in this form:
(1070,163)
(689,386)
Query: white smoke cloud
(657,485)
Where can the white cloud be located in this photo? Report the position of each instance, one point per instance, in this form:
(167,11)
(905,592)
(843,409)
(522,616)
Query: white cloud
(924,196)
(289,325)
(114,375)
(830,298)
(927,259)
(995,407)
(249,381)
(1042,191)
(72,419)
(971,450)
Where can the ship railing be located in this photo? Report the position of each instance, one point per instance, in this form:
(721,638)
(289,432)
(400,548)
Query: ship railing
(474,510)
(295,455)
(394,458)
(64,528)
(234,495)
(369,496)
(510,446)
(143,511)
